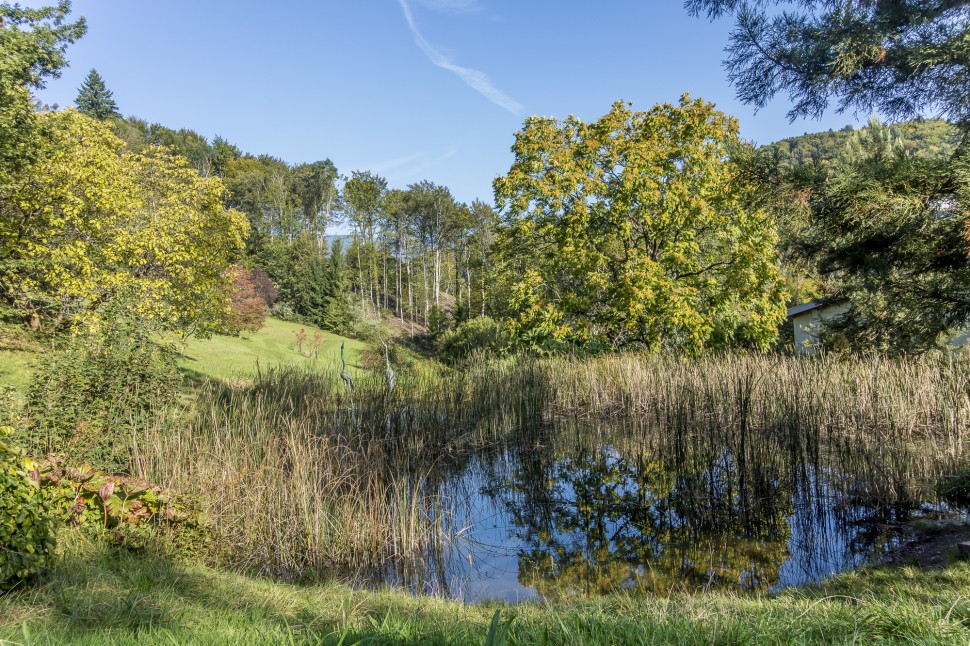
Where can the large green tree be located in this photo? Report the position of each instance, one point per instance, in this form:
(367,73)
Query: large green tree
(32,47)
(88,221)
(94,99)
(899,57)
(636,230)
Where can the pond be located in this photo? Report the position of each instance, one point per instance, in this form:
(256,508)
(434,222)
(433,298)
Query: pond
(564,478)
(582,509)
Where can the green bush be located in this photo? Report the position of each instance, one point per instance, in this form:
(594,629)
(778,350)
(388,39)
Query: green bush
(438,322)
(284,311)
(26,524)
(86,395)
(481,334)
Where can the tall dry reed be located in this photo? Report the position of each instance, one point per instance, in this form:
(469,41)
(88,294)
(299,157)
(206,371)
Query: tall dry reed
(300,477)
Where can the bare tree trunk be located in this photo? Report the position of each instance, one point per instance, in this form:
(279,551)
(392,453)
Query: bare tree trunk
(411,296)
(397,285)
(483,288)
(384,263)
(427,305)
(360,270)
(437,276)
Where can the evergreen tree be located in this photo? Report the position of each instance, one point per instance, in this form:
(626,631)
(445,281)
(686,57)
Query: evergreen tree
(94,98)
(900,58)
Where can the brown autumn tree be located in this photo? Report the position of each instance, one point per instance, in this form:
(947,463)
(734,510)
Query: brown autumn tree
(248,308)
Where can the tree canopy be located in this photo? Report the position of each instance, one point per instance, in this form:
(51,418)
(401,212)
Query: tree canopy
(924,138)
(636,230)
(89,220)
(884,229)
(32,47)
(898,57)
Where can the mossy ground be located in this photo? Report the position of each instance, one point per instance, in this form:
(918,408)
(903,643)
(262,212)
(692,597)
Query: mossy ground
(99,595)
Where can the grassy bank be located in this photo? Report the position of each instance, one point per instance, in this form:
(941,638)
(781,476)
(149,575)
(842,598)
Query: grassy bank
(228,357)
(219,357)
(102,596)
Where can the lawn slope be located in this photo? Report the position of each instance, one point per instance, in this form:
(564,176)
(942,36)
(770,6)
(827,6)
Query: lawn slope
(231,357)
(219,357)
(98,595)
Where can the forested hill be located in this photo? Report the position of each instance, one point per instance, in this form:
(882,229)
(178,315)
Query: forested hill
(927,137)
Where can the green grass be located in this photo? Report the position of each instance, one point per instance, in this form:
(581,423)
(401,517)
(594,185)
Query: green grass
(220,357)
(98,595)
(229,357)
(16,367)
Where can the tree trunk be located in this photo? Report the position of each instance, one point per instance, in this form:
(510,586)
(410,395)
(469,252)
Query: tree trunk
(427,305)
(360,269)
(397,285)
(384,268)
(437,276)
(411,296)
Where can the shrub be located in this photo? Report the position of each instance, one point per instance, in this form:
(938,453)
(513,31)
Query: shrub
(26,525)
(284,311)
(129,512)
(479,334)
(247,312)
(438,322)
(84,395)
(264,286)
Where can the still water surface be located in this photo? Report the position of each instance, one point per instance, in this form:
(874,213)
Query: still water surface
(580,509)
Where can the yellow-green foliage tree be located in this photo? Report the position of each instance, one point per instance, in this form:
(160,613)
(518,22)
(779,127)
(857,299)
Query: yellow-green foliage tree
(91,221)
(637,230)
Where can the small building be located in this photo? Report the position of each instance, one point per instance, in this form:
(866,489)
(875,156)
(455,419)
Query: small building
(808,320)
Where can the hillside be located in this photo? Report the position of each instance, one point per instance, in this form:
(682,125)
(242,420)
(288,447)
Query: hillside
(930,138)
(221,357)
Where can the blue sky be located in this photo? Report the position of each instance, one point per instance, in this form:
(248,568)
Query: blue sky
(410,89)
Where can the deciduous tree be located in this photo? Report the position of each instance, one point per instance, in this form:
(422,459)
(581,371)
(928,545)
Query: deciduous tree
(636,229)
(89,220)
(32,47)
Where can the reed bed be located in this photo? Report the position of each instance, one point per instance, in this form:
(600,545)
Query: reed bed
(301,478)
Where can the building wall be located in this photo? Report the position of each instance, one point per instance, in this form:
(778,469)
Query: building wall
(807,326)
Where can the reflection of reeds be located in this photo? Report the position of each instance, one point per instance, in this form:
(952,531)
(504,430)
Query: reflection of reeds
(300,477)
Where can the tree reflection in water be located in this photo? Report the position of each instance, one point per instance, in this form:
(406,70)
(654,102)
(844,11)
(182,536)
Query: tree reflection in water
(595,518)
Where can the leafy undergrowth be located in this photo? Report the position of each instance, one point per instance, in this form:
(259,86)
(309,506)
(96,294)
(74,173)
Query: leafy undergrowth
(100,595)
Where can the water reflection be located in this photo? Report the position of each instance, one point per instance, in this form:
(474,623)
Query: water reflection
(579,510)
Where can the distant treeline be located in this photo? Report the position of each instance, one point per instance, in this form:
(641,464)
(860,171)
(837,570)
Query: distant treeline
(923,137)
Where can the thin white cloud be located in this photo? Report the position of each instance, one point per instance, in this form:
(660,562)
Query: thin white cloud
(473,78)
(453,6)
(390,164)
(420,168)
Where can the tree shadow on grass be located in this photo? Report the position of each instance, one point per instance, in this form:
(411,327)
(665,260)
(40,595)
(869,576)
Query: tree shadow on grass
(110,595)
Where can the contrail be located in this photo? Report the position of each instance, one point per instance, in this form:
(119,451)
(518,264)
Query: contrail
(473,78)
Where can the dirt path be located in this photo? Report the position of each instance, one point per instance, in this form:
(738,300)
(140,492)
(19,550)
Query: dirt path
(930,549)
